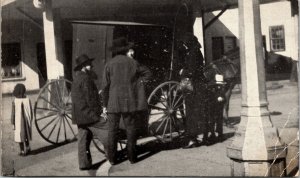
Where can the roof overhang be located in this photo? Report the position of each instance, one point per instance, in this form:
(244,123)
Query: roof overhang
(139,11)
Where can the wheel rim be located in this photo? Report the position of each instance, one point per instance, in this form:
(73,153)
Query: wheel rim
(98,144)
(53,112)
(167,111)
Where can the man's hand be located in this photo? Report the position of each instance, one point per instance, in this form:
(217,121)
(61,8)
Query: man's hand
(104,113)
(104,110)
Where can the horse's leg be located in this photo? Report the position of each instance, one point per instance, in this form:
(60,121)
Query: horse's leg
(226,104)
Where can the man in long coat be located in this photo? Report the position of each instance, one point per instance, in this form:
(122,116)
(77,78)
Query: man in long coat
(123,95)
(86,111)
(192,68)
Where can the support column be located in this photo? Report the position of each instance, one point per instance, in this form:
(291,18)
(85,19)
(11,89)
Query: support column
(54,57)
(256,144)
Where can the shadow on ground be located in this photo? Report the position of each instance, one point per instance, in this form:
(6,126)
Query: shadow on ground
(232,121)
(50,147)
(95,167)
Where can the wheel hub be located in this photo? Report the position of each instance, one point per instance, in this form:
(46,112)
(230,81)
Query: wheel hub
(170,111)
(62,112)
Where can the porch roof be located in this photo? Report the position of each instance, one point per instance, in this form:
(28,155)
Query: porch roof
(142,11)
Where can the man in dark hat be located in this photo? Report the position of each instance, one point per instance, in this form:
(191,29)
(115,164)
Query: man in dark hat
(86,111)
(123,95)
(192,69)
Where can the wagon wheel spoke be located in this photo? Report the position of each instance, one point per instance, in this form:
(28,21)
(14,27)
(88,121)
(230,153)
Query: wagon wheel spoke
(168,92)
(49,102)
(50,91)
(177,101)
(63,92)
(53,127)
(70,125)
(58,132)
(44,117)
(157,113)
(178,106)
(156,107)
(69,111)
(65,130)
(175,123)
(165,129)
(175,95)
(171,127)
(171,90)
(49,123)
(163,120)
(56,86)
(47,109)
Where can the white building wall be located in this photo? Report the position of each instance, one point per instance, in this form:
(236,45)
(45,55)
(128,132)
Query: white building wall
(28,35)
(272,14)
(280,14)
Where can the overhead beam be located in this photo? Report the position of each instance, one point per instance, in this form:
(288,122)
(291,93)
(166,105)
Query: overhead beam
(215,18)
(25,14)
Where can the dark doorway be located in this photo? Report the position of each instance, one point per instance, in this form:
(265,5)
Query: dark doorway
(68,59)
(218,47)
(41,64)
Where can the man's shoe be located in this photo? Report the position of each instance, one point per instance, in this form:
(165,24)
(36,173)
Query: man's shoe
(132,161)
(85,168)
(191,144)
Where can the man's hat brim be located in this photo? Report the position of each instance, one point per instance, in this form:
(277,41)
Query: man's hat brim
(116,49)
(83,63)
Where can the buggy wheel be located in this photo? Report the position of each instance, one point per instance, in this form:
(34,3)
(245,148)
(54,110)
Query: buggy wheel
(166,111)
(98,145)
(52,111)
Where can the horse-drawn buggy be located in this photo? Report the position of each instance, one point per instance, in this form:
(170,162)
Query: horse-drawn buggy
(166,115)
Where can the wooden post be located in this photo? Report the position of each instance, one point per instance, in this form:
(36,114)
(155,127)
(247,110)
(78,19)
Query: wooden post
(256,143)
(52,32)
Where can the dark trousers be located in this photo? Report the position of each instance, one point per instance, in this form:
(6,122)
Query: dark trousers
(194,112)
(214,119)
(85,136)
(113,128)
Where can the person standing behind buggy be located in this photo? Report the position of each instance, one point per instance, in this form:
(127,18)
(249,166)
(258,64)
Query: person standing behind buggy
(123,95)
(21,118)
(86,111)
(189,47)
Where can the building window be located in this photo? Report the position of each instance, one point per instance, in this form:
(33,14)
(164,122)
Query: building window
(229,43)
(222,45)
(277,41)
(11,60)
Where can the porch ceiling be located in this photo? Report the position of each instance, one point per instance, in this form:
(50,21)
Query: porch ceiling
(119,10)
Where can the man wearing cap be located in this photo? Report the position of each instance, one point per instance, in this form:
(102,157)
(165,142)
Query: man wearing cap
(123,95)
(216,91)
(86,111)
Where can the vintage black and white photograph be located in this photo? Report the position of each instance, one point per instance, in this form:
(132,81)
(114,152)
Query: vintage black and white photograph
(149,88)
